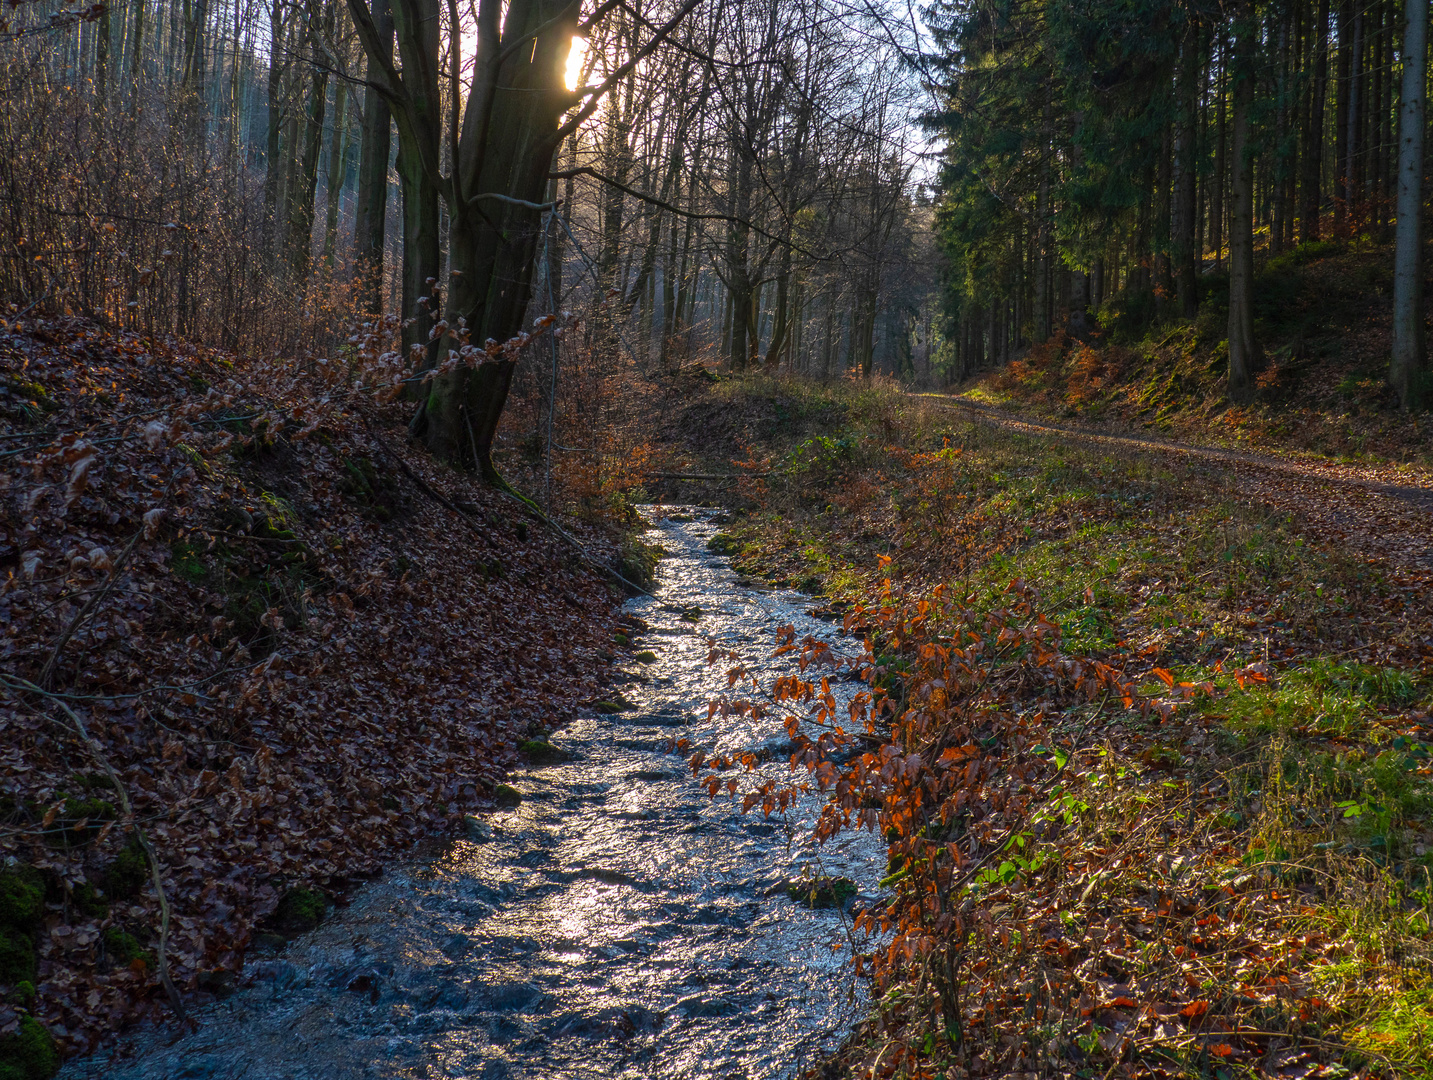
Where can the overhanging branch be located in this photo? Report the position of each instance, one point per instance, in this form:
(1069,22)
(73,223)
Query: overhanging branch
(662,204)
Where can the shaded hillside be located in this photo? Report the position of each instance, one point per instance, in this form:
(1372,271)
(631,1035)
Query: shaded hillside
(300,645)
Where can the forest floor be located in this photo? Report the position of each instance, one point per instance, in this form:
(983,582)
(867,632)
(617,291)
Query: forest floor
(1230,871)
(241,614)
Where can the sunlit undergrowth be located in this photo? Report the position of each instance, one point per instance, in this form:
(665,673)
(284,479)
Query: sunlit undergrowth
(1322,322)
(1234,880)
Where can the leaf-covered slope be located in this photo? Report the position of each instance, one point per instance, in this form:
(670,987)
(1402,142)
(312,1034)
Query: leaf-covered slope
(297,660)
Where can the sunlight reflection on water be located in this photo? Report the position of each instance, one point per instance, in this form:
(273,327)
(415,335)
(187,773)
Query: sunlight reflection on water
(617,924)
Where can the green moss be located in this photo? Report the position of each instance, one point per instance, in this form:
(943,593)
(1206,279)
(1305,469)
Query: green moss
(127,875)
(507,795)
(541,752)
(80,821)
(374,491)
(252,581)
(28,1053)
(22,897)
(22,902)
(647,656)
(17,957)
(300,910)
(24,994)
(122,948)
(89,901)
(724,544)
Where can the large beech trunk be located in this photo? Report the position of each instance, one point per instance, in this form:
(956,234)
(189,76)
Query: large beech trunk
(492,241)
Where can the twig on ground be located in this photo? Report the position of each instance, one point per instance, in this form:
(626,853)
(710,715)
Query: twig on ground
(90,604)
(94,748)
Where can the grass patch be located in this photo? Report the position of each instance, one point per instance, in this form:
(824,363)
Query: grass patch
(1273,808)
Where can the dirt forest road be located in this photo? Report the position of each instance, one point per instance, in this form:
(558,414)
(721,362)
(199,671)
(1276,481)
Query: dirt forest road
(1382,511)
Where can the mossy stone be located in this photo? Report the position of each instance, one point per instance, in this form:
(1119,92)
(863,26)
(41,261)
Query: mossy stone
(17,957)
(28,1052)
(80,822)
(607,708)
(507,795)
(269,943)
(646,656)
(541,752)
(620,639)
(24,994)
(22,897)
(724,544)
(300,910)
(826,892)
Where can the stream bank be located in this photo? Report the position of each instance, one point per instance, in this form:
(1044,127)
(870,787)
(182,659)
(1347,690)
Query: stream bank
(616,923)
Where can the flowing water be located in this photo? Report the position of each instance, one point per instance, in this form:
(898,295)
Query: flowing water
(617,924)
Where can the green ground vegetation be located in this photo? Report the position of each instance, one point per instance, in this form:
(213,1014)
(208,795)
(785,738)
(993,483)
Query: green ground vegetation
(1302,670)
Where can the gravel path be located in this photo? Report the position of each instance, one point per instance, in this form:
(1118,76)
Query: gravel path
(1383,511)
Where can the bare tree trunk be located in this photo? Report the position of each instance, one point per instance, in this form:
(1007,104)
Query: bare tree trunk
(102,46)
(1342,77)
(422,251)
(1164,273)
(273,162)
(1353,140)
(1042,260)
(1186,149)
(1281,127)
(1243,348)
(1407,370)
(1216,195)
(301,200)
(372,204)
(337,170)
(1312,160)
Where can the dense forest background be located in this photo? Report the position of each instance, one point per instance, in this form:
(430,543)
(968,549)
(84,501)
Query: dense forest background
(800,185)
(1132,159)
(745,190)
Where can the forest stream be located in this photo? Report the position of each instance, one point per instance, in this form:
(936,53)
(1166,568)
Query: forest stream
(619,923)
